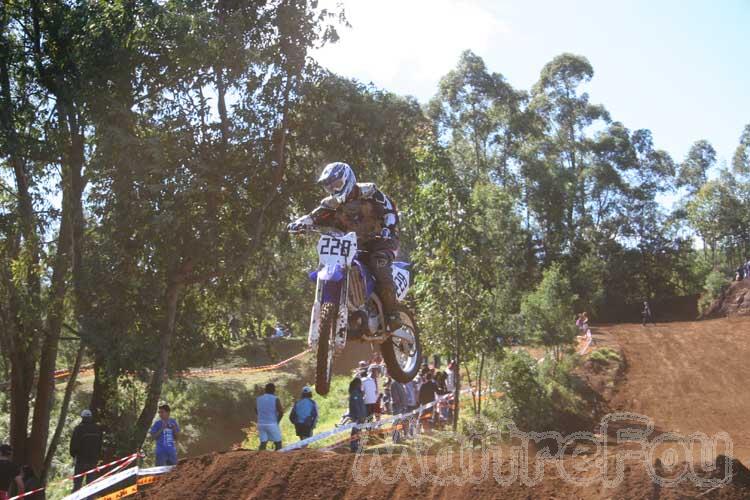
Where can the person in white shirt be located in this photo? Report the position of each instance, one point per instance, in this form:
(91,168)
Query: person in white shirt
(372,392)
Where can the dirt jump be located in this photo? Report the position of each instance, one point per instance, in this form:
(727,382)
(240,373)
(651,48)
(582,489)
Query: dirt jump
(686,377)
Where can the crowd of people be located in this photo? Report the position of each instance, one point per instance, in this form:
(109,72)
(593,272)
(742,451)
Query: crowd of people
(372,392)
(743,271)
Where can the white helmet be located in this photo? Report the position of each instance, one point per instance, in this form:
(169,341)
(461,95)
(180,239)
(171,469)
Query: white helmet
(338,180)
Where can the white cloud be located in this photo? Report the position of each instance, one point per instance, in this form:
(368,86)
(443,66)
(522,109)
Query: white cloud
(407,45)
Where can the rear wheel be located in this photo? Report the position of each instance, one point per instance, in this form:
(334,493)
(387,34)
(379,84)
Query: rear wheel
(403,356)
(326,339)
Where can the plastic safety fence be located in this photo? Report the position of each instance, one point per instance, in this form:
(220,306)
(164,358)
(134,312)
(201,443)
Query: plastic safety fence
(377,426)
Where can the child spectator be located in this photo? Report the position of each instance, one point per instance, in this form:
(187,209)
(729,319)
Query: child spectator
(165,432)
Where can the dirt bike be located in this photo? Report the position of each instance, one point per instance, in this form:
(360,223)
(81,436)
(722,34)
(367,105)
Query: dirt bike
(347,307)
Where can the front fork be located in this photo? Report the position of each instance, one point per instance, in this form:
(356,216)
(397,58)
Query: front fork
(342,320)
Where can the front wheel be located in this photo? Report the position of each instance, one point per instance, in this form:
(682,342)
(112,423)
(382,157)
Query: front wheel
(326,348)
(403,354)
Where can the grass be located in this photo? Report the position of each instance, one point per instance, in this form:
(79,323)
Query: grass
(604,355)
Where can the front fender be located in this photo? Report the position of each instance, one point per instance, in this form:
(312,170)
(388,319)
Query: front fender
(328,273)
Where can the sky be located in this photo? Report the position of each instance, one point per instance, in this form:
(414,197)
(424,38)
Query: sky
(678,68)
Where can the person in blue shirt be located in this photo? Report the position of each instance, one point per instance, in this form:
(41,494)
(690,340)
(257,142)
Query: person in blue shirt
(304,414)
(165,432)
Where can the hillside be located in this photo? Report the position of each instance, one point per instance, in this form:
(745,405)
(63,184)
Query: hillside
(734,301)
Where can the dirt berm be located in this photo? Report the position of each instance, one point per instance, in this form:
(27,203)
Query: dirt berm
(734,301)
(309,474)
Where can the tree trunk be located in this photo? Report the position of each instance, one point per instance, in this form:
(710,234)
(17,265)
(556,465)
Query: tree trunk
(171,298)
(63,414)
(45,391)
(479,384)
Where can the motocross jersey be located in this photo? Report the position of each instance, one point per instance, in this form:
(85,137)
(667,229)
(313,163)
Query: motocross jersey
(368,212)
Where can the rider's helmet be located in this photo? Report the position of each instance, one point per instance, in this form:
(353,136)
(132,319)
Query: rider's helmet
(338,180)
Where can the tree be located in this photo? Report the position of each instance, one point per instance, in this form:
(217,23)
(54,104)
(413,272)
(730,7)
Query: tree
(548,312)
(694,170)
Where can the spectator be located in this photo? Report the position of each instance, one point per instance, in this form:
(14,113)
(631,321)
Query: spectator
(357,410)
(646,315)
(412,393)
(85,447)
(10,473)
(361,367)
(31,483)
(739,274)
(269,410)
(372,394)
(427,395)
(304,414)
(165,432)
(450,379)
(399,398)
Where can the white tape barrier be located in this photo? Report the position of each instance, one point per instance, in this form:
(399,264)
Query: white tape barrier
(105,483)
(369,425)
(155,471)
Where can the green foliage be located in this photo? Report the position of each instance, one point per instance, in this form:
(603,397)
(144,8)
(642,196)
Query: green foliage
(715,285)
(547,311)
(604,355)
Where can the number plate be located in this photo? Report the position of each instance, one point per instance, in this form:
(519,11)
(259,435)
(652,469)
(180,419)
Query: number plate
(337,249)
(401,280)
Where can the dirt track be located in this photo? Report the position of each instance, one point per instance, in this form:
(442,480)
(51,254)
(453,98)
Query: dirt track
(685,376)
(688,377)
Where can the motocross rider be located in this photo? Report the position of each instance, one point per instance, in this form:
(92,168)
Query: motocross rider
(375,219)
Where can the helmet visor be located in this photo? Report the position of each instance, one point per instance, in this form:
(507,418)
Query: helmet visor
(334,187)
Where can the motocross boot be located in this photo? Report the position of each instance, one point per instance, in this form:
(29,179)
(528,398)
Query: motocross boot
(381,262)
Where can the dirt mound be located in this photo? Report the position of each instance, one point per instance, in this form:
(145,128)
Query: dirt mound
(309,474)
(734,301)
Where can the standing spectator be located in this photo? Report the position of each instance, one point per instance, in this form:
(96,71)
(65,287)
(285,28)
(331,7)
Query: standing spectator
(450,376)
(399,398)
(10,473)
(269,410)
(165,432)
(646,315)
(412,394)
(304,414)
(357,410)
(85,447)
(427,395)
(372,393)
